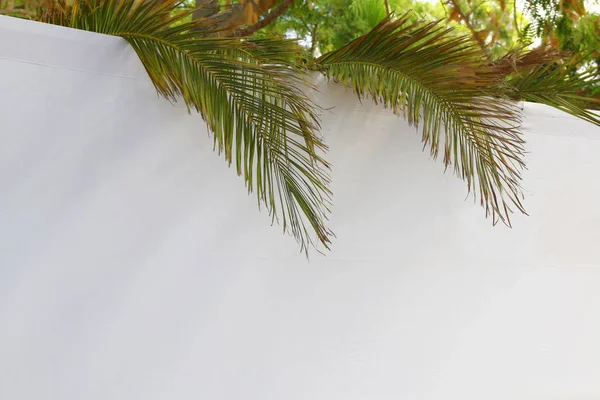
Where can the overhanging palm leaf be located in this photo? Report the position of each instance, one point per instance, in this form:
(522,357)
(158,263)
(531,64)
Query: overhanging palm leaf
(247,92)
(555,87)
(440,82)
(541,76)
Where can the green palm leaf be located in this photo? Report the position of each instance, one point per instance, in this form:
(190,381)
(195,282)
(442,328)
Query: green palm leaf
(441,83)
(540,75)
(248,92)
(555,87)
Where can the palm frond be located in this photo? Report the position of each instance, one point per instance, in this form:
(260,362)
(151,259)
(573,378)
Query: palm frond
(556,87)
(247,91)
(441,83)
(522,60)
(547,76)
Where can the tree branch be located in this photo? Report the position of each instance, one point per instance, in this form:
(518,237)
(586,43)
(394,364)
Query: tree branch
(205,9)
(478,39)
(443,2)
(268,19)
(313,39)
(387,6)
(516,22)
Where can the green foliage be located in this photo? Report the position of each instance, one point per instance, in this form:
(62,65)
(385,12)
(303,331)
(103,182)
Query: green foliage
(321,25)
(333,23)
(325,25)
(492,23)
(369,12)
(569,27)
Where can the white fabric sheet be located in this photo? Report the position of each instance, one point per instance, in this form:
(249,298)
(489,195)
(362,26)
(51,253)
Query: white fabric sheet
(134,266)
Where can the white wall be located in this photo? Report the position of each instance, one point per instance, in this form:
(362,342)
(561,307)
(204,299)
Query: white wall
(133,265)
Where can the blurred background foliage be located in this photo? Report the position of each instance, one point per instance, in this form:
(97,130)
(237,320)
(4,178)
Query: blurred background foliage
(498,26)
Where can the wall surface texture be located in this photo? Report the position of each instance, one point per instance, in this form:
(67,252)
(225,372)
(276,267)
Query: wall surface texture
(134,266)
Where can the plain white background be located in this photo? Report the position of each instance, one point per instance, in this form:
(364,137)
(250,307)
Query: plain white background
(134,266)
